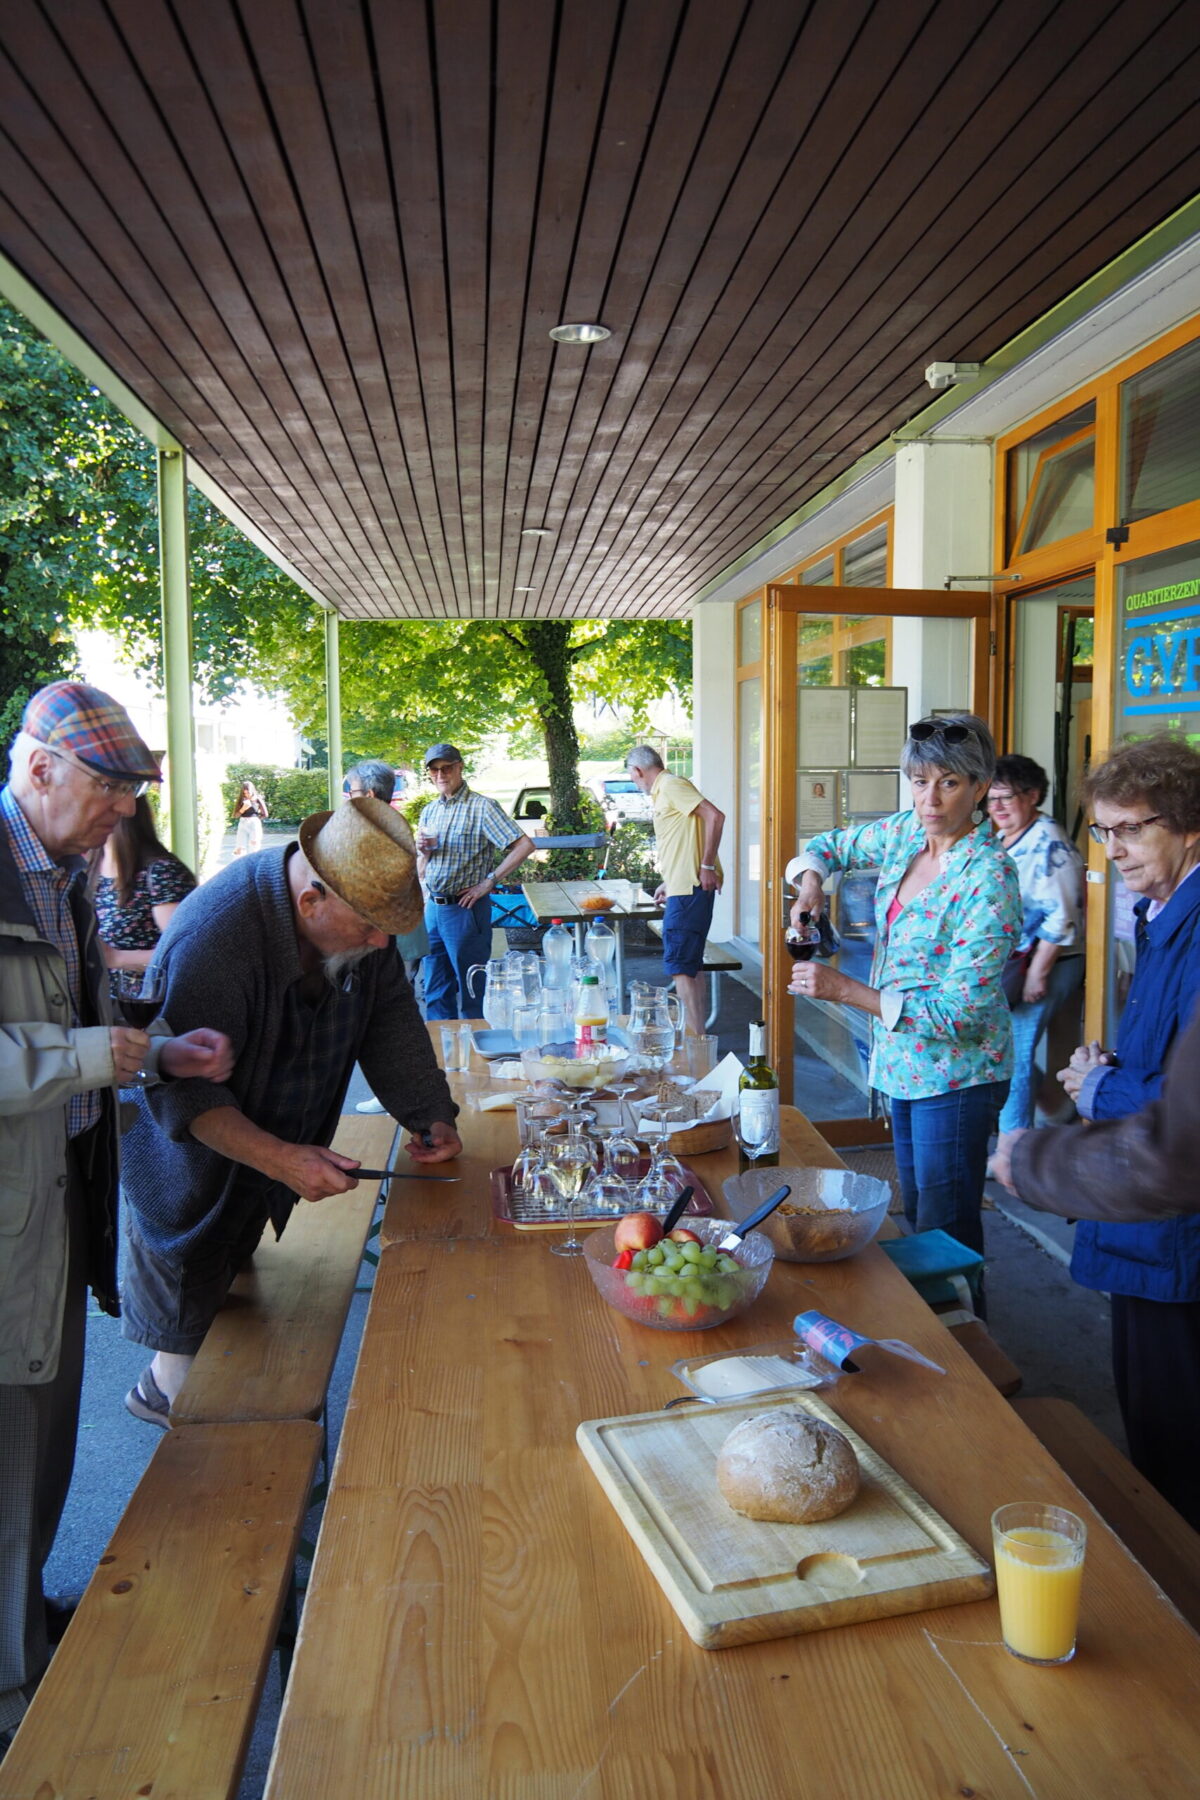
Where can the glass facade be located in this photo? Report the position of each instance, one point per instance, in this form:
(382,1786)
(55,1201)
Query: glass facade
(750,633)
(749,887)
(1052,483)
(1160,436)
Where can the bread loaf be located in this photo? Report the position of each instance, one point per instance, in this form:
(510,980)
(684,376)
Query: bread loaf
(787,1467)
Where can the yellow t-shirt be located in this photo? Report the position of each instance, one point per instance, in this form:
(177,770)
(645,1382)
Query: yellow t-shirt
(678,833)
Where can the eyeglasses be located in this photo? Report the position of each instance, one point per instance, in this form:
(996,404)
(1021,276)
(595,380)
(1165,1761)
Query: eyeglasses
(925,729)
(1128,832)
(442,768)
(116,790)
(1000,799)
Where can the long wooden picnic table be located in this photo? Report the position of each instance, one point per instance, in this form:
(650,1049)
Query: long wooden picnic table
(480,1623)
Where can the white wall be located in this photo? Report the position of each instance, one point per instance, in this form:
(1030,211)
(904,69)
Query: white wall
(943,528)
(714,684)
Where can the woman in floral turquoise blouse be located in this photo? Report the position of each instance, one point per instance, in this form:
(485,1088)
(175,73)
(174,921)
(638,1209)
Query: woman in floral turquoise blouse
(947,915)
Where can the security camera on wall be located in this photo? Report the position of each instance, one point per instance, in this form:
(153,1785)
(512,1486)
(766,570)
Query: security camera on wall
(941,375)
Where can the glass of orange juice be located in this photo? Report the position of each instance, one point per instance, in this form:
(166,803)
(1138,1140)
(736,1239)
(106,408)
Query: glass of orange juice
(1039,1569)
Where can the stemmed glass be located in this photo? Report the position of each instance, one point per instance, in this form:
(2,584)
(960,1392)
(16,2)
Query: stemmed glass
(569,1163)
(666,1177)
(755,1133)
(138,995)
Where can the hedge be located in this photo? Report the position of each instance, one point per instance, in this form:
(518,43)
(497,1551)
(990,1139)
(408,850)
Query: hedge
(290,794)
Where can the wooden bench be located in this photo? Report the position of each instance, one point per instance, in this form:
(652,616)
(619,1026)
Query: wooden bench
(718,961)
(155,1686)
(1149,1527)
(270,1351)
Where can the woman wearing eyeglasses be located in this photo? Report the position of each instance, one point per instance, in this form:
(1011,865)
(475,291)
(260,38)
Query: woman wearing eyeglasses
(948,915)
(1145,801)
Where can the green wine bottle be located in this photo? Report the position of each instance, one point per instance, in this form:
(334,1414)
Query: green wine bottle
(758,1106)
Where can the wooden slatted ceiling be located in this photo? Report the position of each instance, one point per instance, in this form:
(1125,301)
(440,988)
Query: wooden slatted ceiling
(326,241)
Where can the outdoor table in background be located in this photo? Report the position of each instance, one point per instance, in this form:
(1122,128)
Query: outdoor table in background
(562,900)
(479,1622)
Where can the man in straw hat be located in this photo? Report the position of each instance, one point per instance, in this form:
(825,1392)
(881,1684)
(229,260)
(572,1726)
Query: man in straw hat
(289,952)
(78,767)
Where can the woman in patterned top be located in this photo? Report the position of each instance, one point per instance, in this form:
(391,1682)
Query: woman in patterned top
(139,886)
(1050,870)
(947,914)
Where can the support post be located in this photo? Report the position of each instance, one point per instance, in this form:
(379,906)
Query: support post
(333,706)
(177,654)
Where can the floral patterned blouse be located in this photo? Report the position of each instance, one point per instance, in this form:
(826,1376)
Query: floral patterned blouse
(1050,870)
(161,883)
(946,1023)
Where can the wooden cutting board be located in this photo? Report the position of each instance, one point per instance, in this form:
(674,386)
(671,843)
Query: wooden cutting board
(734,1580)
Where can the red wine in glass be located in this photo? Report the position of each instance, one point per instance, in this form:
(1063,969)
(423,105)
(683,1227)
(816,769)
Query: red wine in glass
(138,995)
(802,941)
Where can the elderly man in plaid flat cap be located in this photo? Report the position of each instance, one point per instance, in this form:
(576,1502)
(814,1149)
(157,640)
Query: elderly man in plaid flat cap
(77,767)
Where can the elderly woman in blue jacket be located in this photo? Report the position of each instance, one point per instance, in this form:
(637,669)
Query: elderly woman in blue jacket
(1145,801)
(947,915)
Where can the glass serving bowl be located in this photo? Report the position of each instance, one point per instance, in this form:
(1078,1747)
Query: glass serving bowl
(829,1214)
(592,1067)
(651,1300)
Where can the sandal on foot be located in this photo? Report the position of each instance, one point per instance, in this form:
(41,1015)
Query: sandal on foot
(146,1400)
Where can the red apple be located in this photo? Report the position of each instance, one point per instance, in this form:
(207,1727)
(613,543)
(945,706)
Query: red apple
(637,1231)
(681,1235)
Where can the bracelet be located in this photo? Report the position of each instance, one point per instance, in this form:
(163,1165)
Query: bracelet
(711,867)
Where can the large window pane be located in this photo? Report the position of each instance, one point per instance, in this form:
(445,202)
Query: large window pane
(1052,483)
(820,574)
(864,562)
(1160,436)
(750,633)
(749,890)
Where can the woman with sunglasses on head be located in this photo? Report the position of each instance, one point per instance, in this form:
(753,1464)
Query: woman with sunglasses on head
(1145,804)
(1049,965)
(948,915)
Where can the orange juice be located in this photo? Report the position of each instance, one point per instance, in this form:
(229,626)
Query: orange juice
(1038,1577)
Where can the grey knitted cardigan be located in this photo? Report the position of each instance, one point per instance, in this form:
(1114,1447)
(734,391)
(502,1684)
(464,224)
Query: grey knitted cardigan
(230,953)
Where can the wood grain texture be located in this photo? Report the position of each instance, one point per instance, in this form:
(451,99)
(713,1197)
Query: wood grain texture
(270,1350)
(734,1580)
(479,1621)
(155,1686)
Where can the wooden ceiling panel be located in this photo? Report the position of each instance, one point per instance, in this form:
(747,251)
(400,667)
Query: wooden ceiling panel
(325,241)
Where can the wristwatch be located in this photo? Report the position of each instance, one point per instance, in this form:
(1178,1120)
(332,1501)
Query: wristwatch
(711,867)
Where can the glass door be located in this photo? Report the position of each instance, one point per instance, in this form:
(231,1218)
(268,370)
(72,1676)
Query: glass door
(844,672)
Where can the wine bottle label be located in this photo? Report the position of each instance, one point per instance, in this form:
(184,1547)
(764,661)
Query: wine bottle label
(758,1109)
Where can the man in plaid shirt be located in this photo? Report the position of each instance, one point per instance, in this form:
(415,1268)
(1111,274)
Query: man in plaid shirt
(458,839)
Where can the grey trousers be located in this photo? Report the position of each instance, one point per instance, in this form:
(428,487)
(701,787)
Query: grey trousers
(38,1428)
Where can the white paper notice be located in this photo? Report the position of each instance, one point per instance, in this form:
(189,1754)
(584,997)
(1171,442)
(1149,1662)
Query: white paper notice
(822,727)
(880,726)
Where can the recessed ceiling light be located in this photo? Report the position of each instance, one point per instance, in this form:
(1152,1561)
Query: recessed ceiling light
(580,334)
(522,590)
(535,531)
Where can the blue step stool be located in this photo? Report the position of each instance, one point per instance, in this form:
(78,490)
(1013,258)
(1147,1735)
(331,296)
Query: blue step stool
(931,1260)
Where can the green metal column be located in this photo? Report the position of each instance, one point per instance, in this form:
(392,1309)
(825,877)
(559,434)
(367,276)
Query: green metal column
(333,706)
(177,654)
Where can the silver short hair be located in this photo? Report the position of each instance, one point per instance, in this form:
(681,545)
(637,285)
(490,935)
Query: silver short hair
(972,758)
(643,757)
(374,777)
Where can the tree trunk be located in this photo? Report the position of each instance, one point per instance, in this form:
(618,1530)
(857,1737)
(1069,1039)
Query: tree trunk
(548,642)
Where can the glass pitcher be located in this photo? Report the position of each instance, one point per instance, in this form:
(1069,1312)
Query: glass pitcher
(525,972)
(499,989)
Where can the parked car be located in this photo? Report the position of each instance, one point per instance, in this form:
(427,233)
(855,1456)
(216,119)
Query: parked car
(621,800)
(530,808)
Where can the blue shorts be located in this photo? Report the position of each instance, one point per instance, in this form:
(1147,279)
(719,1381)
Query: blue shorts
(686,921)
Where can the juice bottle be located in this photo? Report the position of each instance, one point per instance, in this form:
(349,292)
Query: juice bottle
(591,1014)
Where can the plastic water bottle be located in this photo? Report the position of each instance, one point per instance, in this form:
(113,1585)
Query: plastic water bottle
(600,942)
(557,948)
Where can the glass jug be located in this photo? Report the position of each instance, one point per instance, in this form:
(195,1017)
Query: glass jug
(499,989)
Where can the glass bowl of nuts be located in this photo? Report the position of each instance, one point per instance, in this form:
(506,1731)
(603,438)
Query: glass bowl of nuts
(829,1214)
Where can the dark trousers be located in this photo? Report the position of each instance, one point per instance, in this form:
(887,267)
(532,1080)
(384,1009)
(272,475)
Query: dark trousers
(1156,1367)
(38,1428)
(459,937)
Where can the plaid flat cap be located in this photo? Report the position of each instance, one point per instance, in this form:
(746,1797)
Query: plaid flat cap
(91,726)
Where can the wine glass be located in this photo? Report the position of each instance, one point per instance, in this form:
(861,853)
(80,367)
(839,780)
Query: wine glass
(757,1131)
(802,941)
(569,1164)
(138,996)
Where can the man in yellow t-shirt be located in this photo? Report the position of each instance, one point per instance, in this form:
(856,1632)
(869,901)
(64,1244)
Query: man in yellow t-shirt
(687,831)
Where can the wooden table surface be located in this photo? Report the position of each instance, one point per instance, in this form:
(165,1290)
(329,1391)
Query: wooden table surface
(479,1624)
(561,899)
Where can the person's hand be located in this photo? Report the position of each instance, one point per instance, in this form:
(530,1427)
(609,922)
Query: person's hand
(815,981)
(1000,1161)
(660,894)
(314,1172)
(426,842)
(1083,1060)
(202,1055)
(810,897)
(129,1049)
(710,881)
(1034,988)
(480,891)
(446,1143)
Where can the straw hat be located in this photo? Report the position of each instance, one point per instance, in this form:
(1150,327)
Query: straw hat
(366,853)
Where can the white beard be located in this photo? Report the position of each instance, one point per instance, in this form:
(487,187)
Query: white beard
(335,968)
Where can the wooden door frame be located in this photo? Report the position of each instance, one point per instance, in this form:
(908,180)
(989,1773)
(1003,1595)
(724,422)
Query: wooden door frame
(784,607)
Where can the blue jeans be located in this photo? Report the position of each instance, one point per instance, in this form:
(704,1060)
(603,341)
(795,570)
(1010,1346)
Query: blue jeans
(941,1146)
(459,936)
(1028,1022)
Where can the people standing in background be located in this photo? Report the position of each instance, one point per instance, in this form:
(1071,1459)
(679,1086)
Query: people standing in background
(138,884)
(458,838)
(1050,871)
(248,815)
(687,831)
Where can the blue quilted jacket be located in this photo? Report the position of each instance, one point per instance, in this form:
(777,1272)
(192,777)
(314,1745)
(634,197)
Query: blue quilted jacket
(1159,1261)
